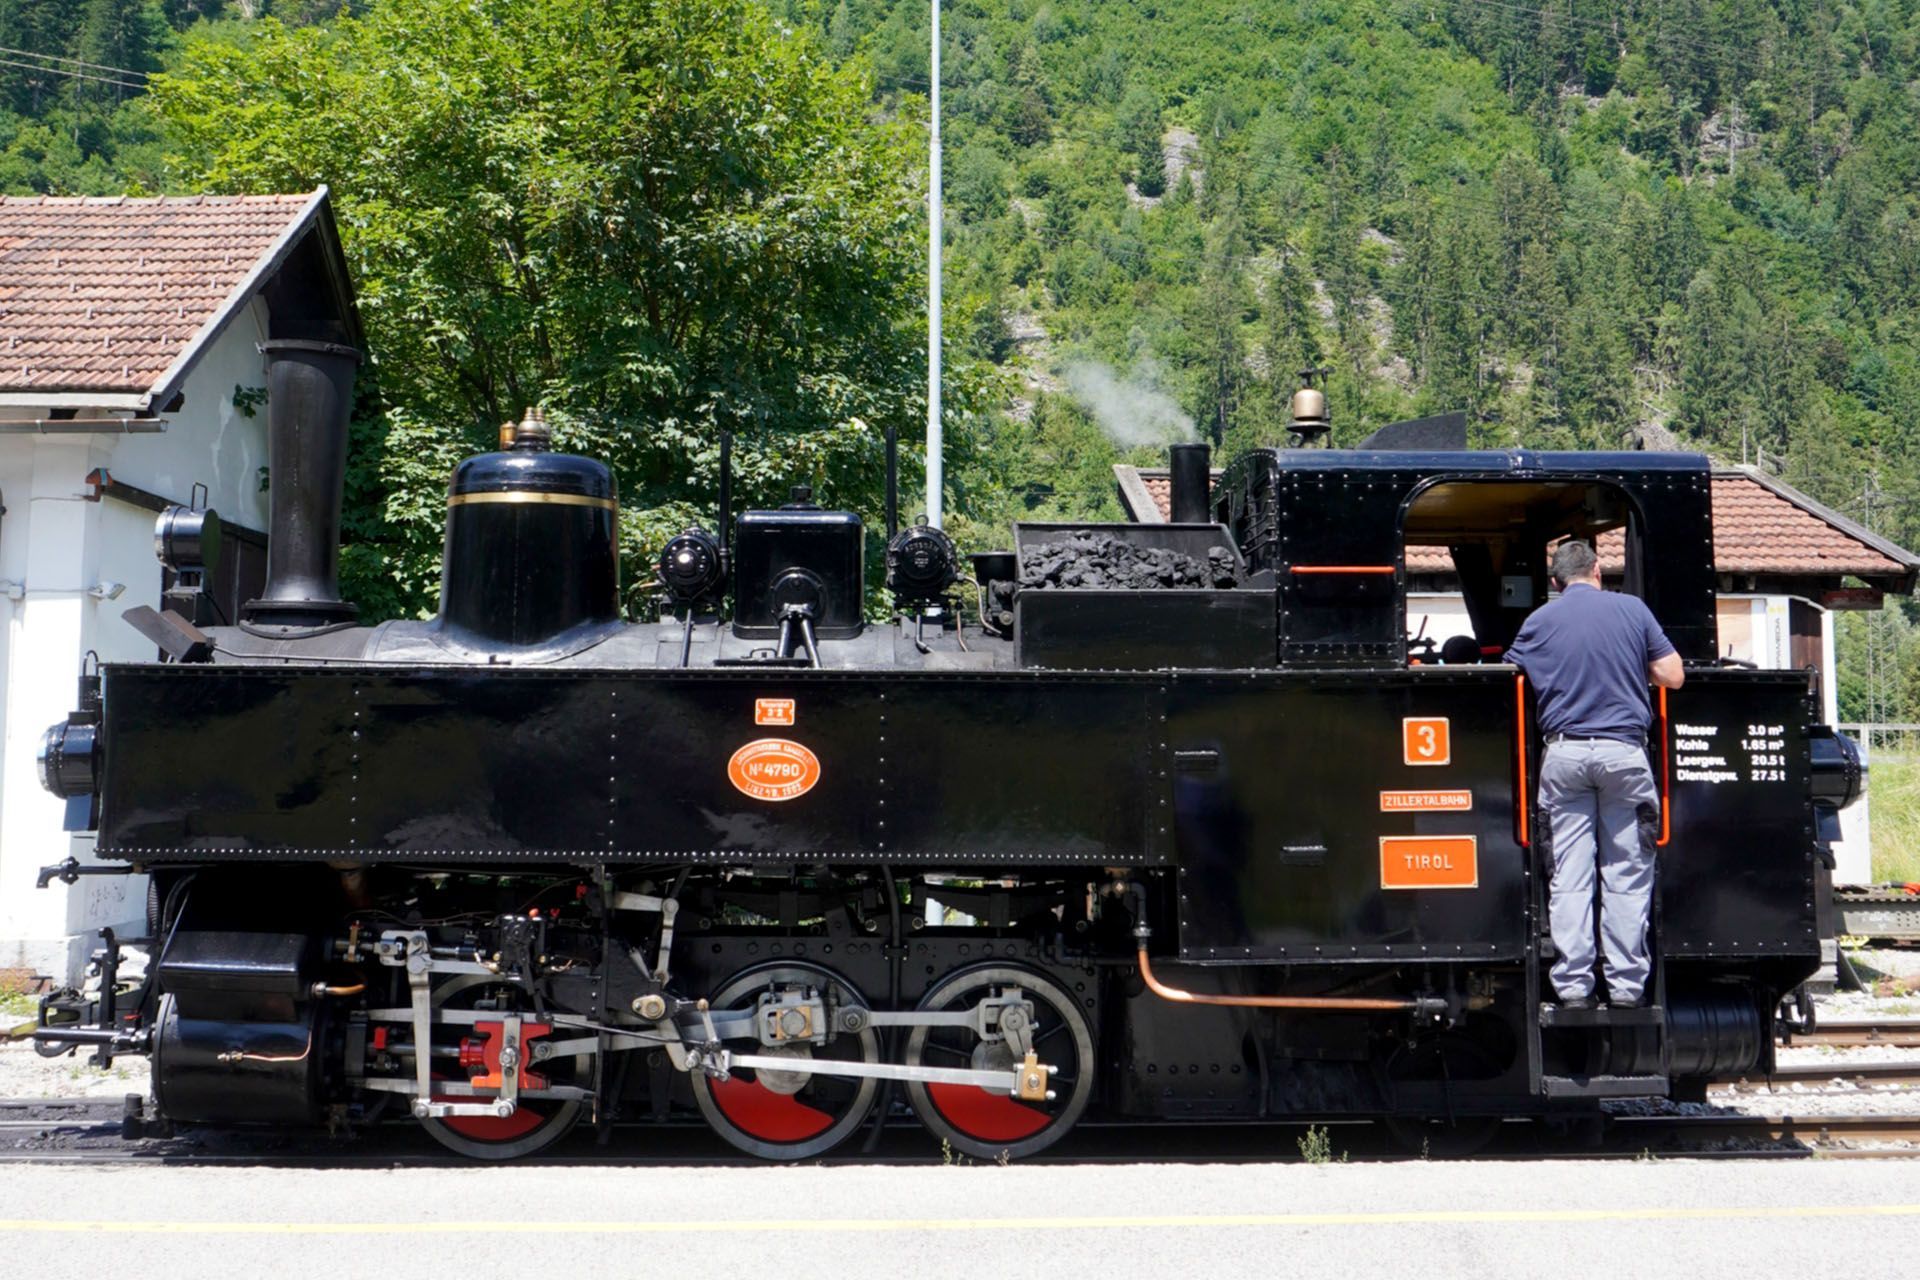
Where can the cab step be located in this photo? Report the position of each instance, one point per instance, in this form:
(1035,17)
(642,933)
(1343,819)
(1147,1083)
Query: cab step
(1558,1015)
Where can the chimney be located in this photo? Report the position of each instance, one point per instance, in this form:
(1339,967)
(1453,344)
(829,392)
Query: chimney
(309,398)
(1190,466)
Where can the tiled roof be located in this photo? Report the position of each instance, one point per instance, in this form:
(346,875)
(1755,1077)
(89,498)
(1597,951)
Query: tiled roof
(1612,548)
(104,295)
(1757,529)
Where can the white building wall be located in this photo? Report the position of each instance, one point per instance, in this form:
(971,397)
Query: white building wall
(55,545)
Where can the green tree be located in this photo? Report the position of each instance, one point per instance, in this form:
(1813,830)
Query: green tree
(1291,341)
(1139,140)
(126,35)
(1221,306)
(661,218)
(840,31)
(1336,244)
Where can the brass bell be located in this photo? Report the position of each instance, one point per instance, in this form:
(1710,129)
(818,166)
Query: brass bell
(1309,410)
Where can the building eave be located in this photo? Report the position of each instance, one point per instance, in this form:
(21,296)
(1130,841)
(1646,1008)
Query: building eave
(1902,582)
(116,401)
(236,301)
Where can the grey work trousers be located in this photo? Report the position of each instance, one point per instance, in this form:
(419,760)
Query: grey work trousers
(1601,806)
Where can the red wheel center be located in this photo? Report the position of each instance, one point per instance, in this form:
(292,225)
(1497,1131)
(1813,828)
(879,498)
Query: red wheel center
(987,1116)
(761,1113)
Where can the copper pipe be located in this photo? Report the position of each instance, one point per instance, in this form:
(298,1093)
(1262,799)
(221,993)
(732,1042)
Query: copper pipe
(1322,1003)
(322,989)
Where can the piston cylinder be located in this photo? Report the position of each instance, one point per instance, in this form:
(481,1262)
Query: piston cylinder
(221,1071)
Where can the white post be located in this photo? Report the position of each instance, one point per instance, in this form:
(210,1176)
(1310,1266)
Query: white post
(935,480)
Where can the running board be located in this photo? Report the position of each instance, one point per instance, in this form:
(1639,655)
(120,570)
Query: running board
(1604,1086)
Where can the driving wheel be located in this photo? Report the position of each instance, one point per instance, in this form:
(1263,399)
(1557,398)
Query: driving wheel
(989,1123)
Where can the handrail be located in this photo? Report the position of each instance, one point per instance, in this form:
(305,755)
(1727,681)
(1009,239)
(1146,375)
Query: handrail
(1521,796)
(1666,776)
(1342,568)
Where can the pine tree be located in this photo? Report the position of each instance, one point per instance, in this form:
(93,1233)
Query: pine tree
(1139,140)
(1336,241)
(1290,342)
(1222,305)
(124,34)
(840,32)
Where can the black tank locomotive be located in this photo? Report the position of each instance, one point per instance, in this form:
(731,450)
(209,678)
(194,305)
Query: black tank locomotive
(1175,827)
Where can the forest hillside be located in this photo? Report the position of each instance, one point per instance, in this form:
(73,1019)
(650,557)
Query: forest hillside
(1589,223)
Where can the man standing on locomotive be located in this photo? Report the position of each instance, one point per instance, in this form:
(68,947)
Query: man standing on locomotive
(1590,655)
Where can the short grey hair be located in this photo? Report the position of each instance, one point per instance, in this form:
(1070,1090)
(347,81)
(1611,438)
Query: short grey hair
(1573,560)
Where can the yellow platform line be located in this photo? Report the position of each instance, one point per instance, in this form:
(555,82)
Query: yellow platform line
(828,1226)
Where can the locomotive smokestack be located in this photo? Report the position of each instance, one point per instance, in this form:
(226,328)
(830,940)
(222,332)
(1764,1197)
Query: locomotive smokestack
(309,397)
(1191,466)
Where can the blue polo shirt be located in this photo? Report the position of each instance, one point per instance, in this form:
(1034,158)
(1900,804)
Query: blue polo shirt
(1586,655)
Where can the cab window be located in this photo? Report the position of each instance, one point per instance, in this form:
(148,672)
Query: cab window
(1477,554)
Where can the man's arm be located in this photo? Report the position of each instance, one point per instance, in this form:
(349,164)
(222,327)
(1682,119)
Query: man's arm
(1522,645)
(1663,663)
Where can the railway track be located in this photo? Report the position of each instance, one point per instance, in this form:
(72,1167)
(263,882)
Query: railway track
(1833,1136)
(1862,1075)
(1843,1033)
(88,1132)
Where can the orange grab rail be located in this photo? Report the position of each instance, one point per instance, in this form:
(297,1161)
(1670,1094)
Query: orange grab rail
(1520,751)
(1342,568)
(1666,776)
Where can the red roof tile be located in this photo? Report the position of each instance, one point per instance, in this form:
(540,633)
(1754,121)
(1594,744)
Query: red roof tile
(1755,530)
(105,294)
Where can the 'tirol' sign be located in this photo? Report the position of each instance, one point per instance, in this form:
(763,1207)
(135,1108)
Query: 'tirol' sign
(1429,862)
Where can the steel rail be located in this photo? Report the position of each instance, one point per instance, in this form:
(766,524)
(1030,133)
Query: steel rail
(1821,1132)
(1842,1033)
(1819,1073)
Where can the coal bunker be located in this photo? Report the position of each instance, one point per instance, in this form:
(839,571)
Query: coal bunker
(1100,561)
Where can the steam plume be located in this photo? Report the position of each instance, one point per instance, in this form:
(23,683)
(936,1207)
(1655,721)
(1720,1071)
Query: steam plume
(1131,409)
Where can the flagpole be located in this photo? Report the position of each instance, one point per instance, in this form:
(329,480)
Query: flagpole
(935,479)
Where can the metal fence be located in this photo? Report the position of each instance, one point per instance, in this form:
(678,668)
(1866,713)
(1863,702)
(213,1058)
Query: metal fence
(1893,738)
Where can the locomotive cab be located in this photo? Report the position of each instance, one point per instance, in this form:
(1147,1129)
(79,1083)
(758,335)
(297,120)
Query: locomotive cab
(1332,527)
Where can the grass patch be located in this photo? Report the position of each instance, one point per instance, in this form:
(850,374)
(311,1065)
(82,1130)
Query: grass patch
(18,1004)
(1316,1146)
(1896,816)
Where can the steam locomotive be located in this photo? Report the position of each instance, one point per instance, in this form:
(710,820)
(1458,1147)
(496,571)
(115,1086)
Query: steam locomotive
(1142,822)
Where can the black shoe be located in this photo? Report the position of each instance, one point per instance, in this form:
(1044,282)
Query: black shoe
(1638,1002)
(1576,1002)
